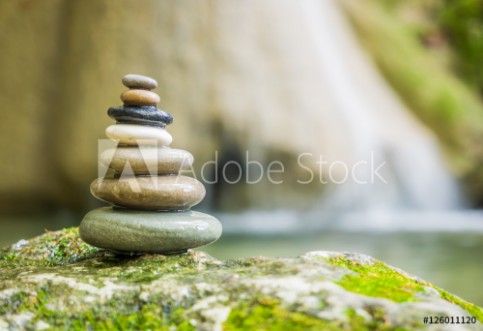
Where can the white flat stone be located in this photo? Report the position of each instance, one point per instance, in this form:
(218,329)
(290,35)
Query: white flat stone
(131,134)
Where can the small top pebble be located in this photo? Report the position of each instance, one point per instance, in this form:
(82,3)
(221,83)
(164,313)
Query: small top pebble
(135,81)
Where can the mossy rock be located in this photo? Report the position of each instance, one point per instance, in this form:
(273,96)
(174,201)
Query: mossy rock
(57,282)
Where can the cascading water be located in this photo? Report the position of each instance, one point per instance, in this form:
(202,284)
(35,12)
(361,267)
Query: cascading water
(383,133)
(327,78)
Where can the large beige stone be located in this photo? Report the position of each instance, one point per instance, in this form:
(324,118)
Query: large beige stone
(150,193)
(145,160)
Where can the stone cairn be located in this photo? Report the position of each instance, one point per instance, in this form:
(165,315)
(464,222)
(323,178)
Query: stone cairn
(151,201)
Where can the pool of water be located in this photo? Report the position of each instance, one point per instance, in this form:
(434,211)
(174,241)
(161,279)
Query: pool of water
(448,256)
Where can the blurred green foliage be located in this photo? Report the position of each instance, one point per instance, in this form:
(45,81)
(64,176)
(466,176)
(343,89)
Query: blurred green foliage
(462,23)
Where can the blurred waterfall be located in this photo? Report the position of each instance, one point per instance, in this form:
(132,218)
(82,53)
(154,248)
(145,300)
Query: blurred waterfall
(382,131)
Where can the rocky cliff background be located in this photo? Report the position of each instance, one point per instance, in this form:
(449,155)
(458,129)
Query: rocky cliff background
(236,76)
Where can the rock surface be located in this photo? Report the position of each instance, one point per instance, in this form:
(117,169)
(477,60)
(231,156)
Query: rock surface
(56,281)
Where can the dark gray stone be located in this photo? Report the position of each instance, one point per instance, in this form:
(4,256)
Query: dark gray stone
(144,115)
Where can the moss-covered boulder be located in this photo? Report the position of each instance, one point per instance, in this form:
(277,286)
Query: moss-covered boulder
(57,282)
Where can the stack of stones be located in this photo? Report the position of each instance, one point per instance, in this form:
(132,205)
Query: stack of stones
(151,201)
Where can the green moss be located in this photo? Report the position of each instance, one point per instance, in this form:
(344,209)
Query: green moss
(472,309)
(123,314)
(377,280)
(380,280)
(67,248)
(13,302)
(266,314)
(149,317)
(51,249)
(378,322)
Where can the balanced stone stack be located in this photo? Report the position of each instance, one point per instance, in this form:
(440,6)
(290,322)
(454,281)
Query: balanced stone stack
(151,201)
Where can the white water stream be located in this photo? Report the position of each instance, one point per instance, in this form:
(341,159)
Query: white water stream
(382,130)
(297,78)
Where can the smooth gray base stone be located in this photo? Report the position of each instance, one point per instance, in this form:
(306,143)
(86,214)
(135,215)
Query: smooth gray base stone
(131,231)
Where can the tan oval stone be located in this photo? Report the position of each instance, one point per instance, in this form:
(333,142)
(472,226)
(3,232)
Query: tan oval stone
(150,193)
(146,160)
(140,97)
